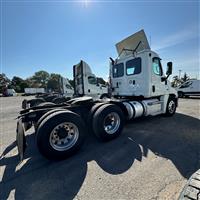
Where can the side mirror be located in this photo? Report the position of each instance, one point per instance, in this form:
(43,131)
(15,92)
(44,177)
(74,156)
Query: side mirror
(169,68)
(163,79)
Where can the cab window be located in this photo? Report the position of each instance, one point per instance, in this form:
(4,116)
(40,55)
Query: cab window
(118,70)
(157,67)
(133,66)
(92,80)
(68,86)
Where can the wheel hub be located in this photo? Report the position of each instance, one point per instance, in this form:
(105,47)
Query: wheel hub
(111,123)
(62,132)
(171,106)
(64,136)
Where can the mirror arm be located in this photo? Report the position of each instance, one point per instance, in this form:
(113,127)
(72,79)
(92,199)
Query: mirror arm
(168,76)
(112,61)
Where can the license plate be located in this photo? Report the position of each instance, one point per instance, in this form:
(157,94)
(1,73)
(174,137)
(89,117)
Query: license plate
(21,140)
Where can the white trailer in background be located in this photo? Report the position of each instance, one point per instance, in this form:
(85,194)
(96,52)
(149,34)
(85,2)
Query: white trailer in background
(33,91)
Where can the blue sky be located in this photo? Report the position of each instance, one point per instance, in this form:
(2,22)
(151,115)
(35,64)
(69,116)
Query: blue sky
(55,35)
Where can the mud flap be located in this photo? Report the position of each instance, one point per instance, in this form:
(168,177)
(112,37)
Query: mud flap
(21,140)
(24,104)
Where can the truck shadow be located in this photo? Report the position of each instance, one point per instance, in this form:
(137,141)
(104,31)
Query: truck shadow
(174,138)
(192,97)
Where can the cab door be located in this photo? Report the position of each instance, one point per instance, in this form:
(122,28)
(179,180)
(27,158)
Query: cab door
(158,86)
(78,79)
(92,88)
(118,79)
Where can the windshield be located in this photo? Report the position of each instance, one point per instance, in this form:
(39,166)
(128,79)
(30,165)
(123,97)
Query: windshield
(68,86)
(92,80)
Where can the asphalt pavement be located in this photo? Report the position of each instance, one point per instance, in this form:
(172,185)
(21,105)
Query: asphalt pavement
(152,159)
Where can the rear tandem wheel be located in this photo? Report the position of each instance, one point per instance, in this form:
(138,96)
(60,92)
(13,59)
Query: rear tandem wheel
(60,135)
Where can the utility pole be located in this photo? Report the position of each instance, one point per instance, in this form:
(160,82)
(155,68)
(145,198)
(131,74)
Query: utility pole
(179,76)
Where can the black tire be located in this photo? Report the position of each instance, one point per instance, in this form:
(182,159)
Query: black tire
(50,98)
(35,102)
(46,104)
(47,126)
(180,94)
(37,124)
(100,119)
(192,188)
(171,107)
(104,96)
(91,114)
(59,100)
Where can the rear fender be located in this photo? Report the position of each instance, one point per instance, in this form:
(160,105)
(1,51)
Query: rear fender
(121,106)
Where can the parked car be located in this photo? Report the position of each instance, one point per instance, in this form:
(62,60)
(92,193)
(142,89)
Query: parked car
(9,92)
(189,88)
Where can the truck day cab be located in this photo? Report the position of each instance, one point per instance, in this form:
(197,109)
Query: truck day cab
(86,83)
(138,86)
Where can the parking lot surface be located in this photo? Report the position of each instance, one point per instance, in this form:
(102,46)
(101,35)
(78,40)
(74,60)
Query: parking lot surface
(152,159)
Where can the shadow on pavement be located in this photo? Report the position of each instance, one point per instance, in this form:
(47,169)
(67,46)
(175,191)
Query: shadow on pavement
(191,97)
(174,138)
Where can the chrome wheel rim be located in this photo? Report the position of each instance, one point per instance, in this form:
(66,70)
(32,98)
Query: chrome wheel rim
(171,106)
(64,136)
(111,123)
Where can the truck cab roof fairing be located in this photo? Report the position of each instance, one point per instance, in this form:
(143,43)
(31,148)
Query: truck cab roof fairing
(132,42)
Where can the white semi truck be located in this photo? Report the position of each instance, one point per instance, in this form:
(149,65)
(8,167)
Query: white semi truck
(65,87)
(85,84)
(139,88)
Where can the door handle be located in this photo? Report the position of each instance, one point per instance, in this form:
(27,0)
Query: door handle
(153,88)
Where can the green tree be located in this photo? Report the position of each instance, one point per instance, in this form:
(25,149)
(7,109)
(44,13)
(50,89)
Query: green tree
(19,84)
(4,82)
(54,82)
(176,81)
(101,81)
(185,77)
(71,83)
(39,79)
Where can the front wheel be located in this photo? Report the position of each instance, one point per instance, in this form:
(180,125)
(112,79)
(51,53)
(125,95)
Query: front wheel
(108,122)
(171,106)
(60,135)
